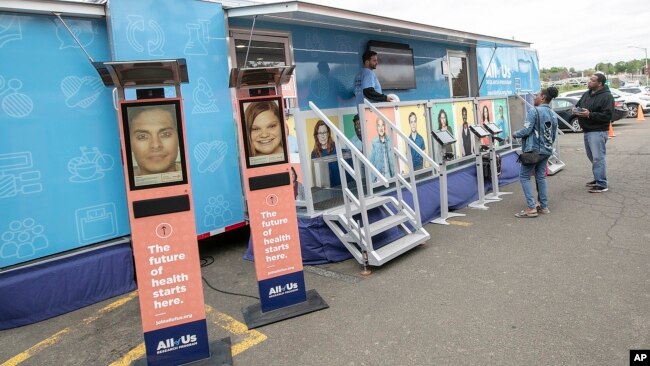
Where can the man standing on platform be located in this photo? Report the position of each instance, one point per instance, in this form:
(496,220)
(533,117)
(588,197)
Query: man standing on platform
(366,84)
(594,111)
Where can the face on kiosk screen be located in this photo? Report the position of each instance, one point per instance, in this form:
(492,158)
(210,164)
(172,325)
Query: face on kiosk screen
(153,137)
(263,131)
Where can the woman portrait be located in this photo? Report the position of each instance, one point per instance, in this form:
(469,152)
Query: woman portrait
(485,118)
(298,189)
(443,123)
(324,146)
(485,115)
(264,126)
(323,143)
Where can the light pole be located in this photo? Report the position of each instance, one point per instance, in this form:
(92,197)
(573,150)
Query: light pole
(646,62)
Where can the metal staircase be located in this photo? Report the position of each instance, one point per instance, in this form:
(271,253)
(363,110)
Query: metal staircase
(351,222)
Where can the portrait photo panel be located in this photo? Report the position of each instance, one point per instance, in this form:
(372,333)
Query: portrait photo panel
(413,124)
(322,151)
(379,142)
(502,120)
(442,118)
(464,117)
(485,115)
(352,130)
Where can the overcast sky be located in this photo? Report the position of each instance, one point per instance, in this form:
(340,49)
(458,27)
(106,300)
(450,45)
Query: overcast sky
(569,33)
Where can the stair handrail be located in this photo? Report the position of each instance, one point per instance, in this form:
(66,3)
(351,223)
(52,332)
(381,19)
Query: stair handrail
(411,185)
(356,172)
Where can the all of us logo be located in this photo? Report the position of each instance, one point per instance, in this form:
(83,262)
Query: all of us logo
(283,290)
(171,344)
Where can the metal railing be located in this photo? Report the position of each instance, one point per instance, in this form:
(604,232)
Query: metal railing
(355,170)
(399,178)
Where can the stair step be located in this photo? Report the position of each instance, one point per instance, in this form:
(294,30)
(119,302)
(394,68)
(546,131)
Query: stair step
(371,202)
(377,226)
(399,246)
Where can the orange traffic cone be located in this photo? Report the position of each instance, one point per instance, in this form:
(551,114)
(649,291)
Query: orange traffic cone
(611,133)
(639,114)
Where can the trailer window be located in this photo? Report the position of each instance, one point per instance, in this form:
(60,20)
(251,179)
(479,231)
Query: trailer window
(260,50)
(459,77)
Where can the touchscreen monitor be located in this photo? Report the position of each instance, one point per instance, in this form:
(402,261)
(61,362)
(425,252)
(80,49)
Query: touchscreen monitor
(443,137)
(479,131)
(493,128)
(262,121)
(154,143)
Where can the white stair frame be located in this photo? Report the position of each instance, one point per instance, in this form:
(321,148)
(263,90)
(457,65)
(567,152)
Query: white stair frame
(357,236)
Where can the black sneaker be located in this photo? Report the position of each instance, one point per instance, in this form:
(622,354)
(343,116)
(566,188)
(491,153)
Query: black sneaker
(591,184)
(598,189)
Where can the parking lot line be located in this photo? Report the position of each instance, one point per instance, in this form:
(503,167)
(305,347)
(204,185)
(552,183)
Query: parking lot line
(38,347)
(134,354)
(55,338)
(228,323)
(459,223)
(252,337)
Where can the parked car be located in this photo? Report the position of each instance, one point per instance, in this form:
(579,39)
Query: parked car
(563,106)
(632,101)
(635,89)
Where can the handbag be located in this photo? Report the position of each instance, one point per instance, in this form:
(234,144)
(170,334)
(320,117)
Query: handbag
(531,157)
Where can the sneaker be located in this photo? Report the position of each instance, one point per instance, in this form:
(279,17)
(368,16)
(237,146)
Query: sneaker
(591,184)
(598,189)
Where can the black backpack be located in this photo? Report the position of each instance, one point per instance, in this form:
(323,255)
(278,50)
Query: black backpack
(487,172)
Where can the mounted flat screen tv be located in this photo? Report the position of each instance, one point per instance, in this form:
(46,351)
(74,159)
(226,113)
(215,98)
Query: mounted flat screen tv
(396,68)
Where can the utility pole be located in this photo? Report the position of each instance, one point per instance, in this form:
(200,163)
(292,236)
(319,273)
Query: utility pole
(645,49)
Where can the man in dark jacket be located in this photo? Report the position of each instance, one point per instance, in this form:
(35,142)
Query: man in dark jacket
(594,111)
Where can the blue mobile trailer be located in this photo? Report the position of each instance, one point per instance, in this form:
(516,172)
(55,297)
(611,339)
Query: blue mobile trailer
(63,212)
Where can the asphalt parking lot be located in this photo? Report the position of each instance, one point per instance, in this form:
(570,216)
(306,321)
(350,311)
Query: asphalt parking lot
(568,288)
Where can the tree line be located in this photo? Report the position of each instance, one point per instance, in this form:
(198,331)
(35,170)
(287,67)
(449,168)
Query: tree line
(627,67)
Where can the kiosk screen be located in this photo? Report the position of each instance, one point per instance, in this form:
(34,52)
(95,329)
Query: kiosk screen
(443,137)
(493,128)
(153,139)
(479,131)
(263,130)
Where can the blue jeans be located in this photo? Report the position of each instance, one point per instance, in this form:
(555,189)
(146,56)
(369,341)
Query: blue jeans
(595,147)
(540,178)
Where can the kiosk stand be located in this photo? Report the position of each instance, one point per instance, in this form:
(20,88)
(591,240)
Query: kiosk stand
(494,130)
(480,132)
(443,138)
(163,231)
(270,198)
